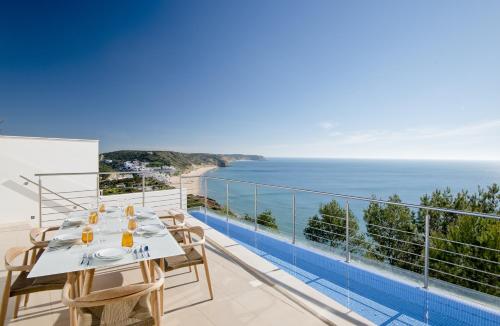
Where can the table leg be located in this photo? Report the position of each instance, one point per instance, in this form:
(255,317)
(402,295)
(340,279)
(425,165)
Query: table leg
(144,271)
(72,279)
(162,289)
(88,281)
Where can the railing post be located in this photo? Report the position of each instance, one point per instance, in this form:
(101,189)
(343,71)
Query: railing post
(293,219)
(426,252)
(206,199)
(40,201)
(180,191)
(97,191)
(143,189)
(255,208)
(227,208)
(347,250)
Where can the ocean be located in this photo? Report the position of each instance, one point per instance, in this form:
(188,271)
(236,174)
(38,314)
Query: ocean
(410,179)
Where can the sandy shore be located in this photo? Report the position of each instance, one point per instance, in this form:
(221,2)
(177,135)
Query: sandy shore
(193,184)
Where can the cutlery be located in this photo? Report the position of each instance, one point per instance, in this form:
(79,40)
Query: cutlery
(141,252)
(89,258)
(135,253)
(146,249)
(83,258)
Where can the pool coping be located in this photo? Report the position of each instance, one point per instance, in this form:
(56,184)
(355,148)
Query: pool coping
(326,309)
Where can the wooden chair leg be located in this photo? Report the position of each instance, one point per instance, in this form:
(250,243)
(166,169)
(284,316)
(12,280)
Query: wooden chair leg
(5,298)
(16,307)
(196,273)
(208,279)
(73,317)
(157,310)
(32,262)
(162,293)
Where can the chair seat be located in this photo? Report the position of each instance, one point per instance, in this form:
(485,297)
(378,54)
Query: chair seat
(23,284)
(136,312)
(192,257)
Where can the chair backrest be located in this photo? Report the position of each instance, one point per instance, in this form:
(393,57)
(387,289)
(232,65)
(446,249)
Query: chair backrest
(177,219)
(108,296)
(114,306)
(38,236)
(12,253)
(197,230)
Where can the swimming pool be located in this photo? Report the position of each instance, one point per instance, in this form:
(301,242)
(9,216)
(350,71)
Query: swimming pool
(383,301)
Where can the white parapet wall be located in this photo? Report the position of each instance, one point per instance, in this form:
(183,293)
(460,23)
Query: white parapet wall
(54,211)
(28,156)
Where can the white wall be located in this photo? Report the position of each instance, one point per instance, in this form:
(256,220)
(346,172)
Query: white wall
(30,155)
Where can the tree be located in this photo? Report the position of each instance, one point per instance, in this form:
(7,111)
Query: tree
(394,233)
(465,249)
(329,227)
(470,251)
(265,218)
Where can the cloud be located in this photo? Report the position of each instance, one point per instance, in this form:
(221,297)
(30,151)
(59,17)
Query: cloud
(326,125)
(412,134)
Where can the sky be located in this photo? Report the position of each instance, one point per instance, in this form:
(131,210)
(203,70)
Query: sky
(281,78)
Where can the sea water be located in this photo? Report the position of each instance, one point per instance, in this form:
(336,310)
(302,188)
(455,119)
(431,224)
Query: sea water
(410,179)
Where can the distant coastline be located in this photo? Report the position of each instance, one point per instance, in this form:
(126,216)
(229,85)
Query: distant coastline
(191,183)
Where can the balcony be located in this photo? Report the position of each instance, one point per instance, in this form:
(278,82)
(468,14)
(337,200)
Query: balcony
(292,270)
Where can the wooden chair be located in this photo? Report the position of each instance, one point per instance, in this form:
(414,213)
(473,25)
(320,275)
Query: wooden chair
(134,304)
(192,256)
(23,285)
(38,238)
(175,227)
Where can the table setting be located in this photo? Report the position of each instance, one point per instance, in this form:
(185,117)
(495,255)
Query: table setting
(104,237)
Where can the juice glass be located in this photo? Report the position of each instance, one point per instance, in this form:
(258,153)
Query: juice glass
(93,217)
(129,211)
(87,235)
(127,239)
(102,208)
(132,224)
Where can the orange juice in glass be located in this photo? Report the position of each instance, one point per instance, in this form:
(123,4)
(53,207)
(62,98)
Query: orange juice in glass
(93,217)
(127,239)
(102,208)
(130,211)
(87,235)
(132,224)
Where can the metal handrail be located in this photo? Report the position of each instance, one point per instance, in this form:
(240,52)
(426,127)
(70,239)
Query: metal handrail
(345,220)
(50,191)
(322,237)
(350,197)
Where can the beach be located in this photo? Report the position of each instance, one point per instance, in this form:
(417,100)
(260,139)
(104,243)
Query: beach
(189,179)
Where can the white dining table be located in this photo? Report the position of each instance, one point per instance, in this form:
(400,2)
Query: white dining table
(107,234)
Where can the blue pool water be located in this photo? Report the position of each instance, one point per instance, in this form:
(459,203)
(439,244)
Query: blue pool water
(383,301)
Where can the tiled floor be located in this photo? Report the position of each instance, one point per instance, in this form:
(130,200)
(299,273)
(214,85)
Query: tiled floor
(240,299)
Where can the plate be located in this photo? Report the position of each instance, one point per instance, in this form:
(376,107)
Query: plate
(78,214)
(145,215)
(149,229)
(112,215)
(144,210)
(66,237)
(110,253)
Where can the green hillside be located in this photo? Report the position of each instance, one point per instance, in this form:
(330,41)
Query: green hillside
(181,161)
